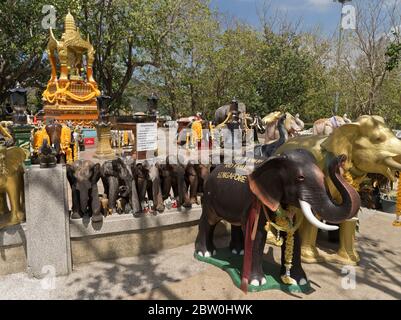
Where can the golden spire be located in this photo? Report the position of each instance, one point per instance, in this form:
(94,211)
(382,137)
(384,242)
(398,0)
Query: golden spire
(69,23)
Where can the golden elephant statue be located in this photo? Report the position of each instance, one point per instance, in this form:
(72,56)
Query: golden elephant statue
(371,147)
(11,184)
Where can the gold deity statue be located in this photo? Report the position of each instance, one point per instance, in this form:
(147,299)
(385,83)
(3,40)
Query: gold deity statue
(71,95)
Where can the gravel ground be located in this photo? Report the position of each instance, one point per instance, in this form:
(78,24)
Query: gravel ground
(175,274)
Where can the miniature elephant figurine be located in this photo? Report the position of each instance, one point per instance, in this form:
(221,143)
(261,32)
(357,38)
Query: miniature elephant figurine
(116,174)
(249,198)
(83,176)
(147,177)
(11,184)
(195,176)
(172,175)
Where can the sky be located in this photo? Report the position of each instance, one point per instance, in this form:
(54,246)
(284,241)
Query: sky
(323,13)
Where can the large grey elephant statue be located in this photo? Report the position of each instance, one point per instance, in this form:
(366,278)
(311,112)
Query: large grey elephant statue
(289,179)
(221,113)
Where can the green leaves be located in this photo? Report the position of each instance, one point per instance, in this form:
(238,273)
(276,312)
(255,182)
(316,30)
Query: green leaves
(186,54)
(394,55)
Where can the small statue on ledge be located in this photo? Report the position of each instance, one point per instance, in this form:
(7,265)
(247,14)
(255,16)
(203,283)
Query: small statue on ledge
(47,156)
(103,105)
(153,101)
(18,100)
(6,138)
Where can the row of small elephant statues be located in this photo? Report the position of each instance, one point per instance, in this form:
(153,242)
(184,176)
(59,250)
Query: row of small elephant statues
(128,184)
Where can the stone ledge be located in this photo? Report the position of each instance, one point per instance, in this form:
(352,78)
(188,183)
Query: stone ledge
(13,236)
(125,223)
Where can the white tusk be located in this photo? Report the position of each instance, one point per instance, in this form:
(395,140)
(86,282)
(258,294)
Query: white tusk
(307,210)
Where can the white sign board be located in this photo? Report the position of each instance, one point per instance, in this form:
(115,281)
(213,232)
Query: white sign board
(146,136)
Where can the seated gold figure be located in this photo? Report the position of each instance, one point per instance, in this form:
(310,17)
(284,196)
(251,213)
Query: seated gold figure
(70,96)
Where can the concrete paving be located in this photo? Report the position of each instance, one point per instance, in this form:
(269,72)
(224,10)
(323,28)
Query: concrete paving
(175,274)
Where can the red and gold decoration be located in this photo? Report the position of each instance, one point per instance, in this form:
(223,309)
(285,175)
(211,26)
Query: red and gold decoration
(71,95)
(397,221)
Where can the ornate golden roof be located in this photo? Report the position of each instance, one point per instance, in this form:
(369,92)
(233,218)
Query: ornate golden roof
(69,25)
(73,85)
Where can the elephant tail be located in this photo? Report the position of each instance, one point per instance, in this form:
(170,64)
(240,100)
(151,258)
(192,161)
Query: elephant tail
(251,226)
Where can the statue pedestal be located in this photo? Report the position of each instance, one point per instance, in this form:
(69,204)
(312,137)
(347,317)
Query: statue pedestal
(22,135)
(47,222)
(104,150)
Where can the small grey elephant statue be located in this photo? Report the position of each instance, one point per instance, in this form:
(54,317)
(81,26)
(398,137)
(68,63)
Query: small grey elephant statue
(83,176)
(119,182)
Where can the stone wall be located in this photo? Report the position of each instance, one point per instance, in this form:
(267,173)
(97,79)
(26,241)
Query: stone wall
(13,249)
(117,237)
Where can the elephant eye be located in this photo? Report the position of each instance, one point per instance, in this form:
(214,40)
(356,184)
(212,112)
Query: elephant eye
(300,178)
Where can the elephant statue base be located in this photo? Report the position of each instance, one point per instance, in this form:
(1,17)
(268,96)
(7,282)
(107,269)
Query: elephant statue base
(231,263)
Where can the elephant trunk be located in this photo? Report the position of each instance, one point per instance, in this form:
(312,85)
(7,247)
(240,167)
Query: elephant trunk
(322,203)
(83,201)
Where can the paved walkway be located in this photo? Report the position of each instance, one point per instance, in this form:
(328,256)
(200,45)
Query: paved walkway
(175,274)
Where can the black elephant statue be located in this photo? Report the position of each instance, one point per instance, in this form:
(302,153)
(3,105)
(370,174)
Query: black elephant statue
(83,176)
(53,130)
(248,199)
(221,113)
(173,174)
(267,150)
(147,177)
(116,174)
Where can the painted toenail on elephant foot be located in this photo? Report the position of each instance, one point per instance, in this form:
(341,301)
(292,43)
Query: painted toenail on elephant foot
(205,254)
(302,282)
(235,251)
(214,253)
(257,283)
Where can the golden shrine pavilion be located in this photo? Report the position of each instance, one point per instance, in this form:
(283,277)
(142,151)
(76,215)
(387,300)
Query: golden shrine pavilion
(72,94)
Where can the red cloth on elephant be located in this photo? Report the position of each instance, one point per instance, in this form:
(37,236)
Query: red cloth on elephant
(248,247)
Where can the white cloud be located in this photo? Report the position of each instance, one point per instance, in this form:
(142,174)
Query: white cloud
(309,5)
(320,3)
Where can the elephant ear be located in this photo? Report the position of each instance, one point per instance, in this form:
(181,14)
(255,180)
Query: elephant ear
(70,174)
(95,173)
(341,141)
(15,156)
(265,182)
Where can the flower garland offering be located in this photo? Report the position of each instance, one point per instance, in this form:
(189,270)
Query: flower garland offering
(397,221)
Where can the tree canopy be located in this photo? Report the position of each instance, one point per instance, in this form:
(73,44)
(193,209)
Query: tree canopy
(196,59)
